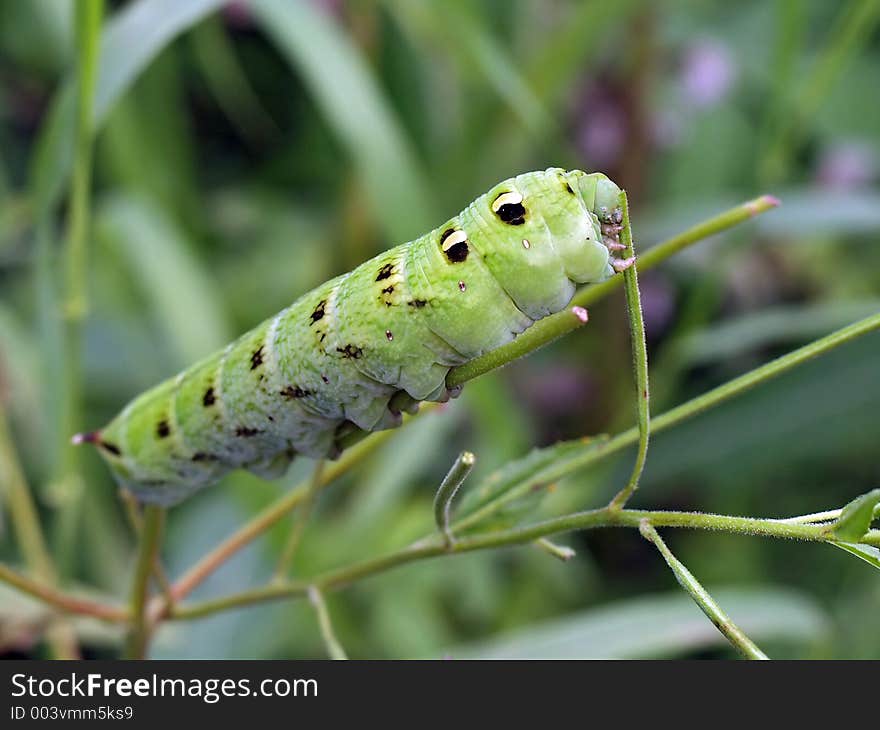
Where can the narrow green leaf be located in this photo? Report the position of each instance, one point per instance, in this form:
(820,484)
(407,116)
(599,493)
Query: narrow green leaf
(664,625)
(868,553)
(855,520)
(527,473)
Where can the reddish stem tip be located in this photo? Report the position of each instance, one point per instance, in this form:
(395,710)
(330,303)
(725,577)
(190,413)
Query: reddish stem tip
(85,438)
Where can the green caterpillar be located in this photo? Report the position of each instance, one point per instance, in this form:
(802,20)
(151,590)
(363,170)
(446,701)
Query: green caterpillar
(341,352)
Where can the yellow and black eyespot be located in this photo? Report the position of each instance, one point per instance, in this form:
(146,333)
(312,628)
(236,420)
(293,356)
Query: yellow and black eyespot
(509,208)
(454,244)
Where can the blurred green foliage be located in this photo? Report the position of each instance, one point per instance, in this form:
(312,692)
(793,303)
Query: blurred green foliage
(248,151)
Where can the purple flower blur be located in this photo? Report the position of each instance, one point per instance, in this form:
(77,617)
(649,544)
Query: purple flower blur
(708,72)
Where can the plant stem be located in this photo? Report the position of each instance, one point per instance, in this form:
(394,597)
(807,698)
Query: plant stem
(733,633)
(23,511)
(265,519)
(62,601)
(556,325)
(32,542)
(678,414)
(150,536)
(300,519)
(334,648)
(447,490)
(561,552)
(69,486)
(640,362)
(434,546)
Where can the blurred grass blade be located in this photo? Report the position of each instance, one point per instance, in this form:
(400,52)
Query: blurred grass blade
(772,326)
(131,39)
(708,605)
(185,302)
(855,520)
(135,36)
(852,31)
(219,64)
(868,553)
(353,104)
(567,55)
(665,625)
(460,30)
(89,14)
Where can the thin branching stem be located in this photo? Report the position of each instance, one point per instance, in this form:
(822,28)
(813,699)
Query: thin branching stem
(64,602)
(16,493)
(446,493)
(434,546)
(536,336)
(640,362)
(733,633)
(679,414)
(301,517)
(148,548)
(260,523)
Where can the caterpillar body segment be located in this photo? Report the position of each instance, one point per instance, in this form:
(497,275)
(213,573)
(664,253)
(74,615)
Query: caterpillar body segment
(341,352)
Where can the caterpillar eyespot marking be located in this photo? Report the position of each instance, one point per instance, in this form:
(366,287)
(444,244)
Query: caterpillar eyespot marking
(509,208)
(299,381)
(455,245)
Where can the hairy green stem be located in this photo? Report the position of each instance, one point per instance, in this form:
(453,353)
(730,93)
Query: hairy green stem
(434,546)
(640,362)
(447,490)
(151,533)
(733,633)
(677,415)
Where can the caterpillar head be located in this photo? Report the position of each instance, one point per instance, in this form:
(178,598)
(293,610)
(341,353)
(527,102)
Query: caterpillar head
(539,234)
(571,216)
